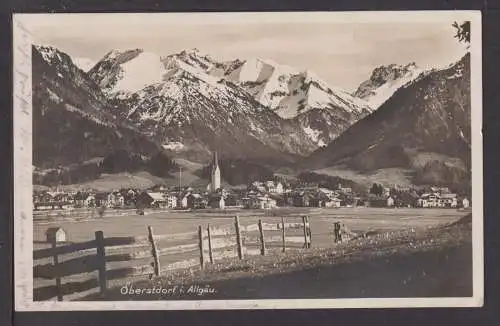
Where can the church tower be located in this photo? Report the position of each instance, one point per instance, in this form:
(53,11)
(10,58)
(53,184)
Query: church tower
(215,178)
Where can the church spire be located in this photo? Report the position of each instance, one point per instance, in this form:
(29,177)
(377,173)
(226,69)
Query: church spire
(215,178)
(216,160)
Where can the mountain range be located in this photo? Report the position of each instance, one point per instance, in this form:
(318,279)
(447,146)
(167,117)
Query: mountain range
(188,105)
(72,119)
(423,128)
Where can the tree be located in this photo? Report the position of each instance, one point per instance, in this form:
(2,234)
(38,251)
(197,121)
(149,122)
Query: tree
(462,32)
(377,189)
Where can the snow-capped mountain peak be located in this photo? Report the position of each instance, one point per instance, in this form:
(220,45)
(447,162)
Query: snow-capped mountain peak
(128,71)
(385,80)
(294,94)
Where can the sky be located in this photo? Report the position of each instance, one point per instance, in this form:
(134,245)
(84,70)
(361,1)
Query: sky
(343,51)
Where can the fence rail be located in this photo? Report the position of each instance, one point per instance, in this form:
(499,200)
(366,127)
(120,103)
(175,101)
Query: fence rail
(105,260)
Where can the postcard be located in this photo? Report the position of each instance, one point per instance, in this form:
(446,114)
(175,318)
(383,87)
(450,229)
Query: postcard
(168,161)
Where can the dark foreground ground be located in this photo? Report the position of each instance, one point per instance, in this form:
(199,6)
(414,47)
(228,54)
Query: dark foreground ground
(418,263)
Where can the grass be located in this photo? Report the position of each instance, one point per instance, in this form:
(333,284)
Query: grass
(321,219)
(435,261)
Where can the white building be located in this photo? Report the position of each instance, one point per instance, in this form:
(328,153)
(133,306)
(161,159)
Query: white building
(55,234)
(274,187)
(215,177)
(171,201)
(265,202)
(428,200)
(449,200)
(465,203)
(333,203)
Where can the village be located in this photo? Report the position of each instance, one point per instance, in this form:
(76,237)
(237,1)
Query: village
(268,194)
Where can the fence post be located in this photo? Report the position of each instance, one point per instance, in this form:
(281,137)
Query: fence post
(283,233)
(154,251)
(56,269)
(262,242)
(210,253)
(304,225)
(101,261)
(308,231)
(202,253)
(238,237)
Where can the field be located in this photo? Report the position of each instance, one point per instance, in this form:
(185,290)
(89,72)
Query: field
(378,222)
(357,219)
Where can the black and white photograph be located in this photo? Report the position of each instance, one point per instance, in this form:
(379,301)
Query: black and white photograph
(247,160)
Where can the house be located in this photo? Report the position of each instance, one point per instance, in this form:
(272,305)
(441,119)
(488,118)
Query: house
(332,203)
(89,201)
(171,201)
(390,201)
(465,203)
(55,234)
(429,200)
(448,200)
(115,199)
(327,193)
(274,187)
(263,202)
(346,190)
(259,202)
(182,201)
(279,189)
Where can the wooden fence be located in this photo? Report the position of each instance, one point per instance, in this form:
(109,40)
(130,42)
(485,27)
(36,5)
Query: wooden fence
(71,271)
(256,239)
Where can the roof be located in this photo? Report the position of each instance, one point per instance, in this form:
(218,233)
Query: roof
(156,196)
(265,198)
(53,230)
(449,196)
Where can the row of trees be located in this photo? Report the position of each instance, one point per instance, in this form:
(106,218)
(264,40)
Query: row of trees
(159,165)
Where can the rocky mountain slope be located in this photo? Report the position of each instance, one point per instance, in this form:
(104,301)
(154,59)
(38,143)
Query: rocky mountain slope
(71,123)
(385,80)
(321,110)
(176,102)
(423,125)
(312,112)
